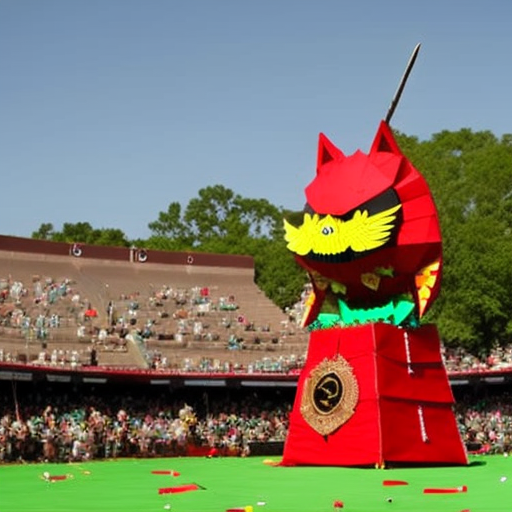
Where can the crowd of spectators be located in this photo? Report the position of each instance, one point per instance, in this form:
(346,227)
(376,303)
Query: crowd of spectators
(93,427)
(458,360)
(64,428)
(455,361)
(486,424)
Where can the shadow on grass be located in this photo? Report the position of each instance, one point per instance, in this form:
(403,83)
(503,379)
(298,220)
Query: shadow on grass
(476,463)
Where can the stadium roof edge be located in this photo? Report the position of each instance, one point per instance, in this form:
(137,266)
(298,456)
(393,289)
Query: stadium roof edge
(133,254)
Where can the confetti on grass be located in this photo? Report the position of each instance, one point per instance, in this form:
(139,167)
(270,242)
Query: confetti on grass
(445,490)
(395,482)
(179,488)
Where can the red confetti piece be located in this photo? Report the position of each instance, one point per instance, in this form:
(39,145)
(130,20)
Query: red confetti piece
(395,482)
(445,490)
(165,472)
(55,478)
(179,488)
(338,504)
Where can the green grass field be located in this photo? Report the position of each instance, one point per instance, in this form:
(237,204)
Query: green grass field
(129,485)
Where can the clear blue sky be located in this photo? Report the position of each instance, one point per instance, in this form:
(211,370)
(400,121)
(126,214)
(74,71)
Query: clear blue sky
(112,109)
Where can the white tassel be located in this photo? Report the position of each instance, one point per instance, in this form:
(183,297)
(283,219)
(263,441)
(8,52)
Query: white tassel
(424,436)
(410,371)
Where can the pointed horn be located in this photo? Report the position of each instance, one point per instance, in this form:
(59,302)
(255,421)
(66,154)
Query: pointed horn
(401,85)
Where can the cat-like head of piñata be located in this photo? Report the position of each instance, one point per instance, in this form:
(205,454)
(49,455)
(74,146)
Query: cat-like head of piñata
(369,238)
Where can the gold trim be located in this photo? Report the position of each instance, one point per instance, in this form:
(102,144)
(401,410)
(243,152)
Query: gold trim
(330,395)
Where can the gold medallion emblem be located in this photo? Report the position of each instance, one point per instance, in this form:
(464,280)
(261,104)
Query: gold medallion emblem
(330,395)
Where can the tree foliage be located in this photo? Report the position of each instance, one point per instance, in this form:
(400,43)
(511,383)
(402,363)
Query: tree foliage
(470,176)
(82,232)
(169,232)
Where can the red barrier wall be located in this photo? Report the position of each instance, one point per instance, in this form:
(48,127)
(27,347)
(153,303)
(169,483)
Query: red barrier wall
(29,245)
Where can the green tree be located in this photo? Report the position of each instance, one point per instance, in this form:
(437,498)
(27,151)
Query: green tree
(45,232)
(278,274)
(169,232)
(82,232)
(220,214)
(470,176)
(110,237)
(218,220)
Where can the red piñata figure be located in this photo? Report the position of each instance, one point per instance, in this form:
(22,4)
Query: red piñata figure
(374,389)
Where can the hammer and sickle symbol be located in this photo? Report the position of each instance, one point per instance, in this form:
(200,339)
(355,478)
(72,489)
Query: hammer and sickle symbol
(328,392)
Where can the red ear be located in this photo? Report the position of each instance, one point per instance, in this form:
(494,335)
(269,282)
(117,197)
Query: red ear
(384,141)
(327,151)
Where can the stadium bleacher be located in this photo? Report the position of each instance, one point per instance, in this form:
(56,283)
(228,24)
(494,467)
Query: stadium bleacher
(57,308)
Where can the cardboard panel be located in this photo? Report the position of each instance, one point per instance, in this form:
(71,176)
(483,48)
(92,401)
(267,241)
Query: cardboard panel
(428,435)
